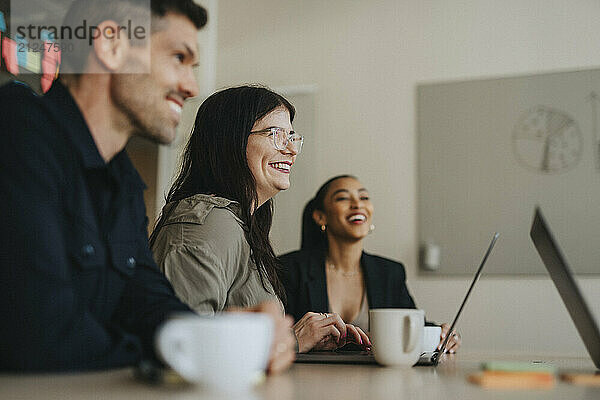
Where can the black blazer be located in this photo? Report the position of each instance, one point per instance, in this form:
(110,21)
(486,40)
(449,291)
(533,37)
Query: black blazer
(303,276)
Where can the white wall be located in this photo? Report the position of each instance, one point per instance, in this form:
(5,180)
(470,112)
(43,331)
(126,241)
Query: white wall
(366,58)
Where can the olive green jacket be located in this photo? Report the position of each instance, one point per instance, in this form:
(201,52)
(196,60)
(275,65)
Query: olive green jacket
(202,250)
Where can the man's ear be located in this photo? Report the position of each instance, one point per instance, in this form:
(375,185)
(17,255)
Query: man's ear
(110,45)
(319,217)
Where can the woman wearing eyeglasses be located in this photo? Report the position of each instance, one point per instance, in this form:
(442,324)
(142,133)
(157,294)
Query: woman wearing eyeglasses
(331,272)
(212,240)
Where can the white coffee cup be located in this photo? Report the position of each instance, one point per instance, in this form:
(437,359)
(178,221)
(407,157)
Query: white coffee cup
(431,338)
(397,335)
(227,352)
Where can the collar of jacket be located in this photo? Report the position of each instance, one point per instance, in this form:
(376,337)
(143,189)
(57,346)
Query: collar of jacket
(64,110)
(317,281)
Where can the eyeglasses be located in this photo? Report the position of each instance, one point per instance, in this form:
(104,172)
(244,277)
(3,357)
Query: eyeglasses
(281,138)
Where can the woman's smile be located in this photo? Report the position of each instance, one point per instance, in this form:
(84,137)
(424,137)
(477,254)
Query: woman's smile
(357,218)
(282,166)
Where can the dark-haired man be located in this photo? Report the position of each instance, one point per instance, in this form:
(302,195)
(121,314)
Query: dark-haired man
(78,286)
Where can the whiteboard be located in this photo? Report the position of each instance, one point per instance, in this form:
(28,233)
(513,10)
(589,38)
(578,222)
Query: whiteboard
(490,150)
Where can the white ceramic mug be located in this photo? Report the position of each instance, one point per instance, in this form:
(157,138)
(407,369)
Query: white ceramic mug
(431,338)
(227,352)
(397,335)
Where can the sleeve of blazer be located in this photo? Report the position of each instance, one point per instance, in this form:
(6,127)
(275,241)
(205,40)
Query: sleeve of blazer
(403,292)
(44,325)
(386,283)
(290,277)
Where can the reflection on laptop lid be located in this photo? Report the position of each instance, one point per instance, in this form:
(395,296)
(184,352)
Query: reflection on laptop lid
(562,276)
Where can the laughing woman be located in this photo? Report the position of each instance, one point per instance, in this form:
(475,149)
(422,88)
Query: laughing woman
(332,273)
(212,240)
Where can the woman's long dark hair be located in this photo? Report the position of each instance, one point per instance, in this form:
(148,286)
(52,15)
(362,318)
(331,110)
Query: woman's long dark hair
(214,162)
(313,238)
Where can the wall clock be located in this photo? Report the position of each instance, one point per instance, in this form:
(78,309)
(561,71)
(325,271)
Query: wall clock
(547,140)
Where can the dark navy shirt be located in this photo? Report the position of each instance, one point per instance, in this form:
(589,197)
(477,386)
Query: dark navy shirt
(78,286)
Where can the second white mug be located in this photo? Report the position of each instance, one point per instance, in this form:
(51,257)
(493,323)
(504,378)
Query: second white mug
(431,338)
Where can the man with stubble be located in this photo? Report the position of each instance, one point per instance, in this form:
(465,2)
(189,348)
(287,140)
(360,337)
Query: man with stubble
(79,289)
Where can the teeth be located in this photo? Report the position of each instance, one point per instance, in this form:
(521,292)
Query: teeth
(357,217)
(281,166)
(175,107)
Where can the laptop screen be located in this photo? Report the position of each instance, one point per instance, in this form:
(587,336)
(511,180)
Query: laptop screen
(566,285)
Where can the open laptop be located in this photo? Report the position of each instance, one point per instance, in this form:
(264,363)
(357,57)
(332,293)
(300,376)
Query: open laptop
(564,281)
(363,357)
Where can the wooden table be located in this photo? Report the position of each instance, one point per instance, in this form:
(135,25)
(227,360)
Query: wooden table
(304,381)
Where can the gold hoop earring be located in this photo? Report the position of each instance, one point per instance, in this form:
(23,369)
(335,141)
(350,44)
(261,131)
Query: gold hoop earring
(323,228)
